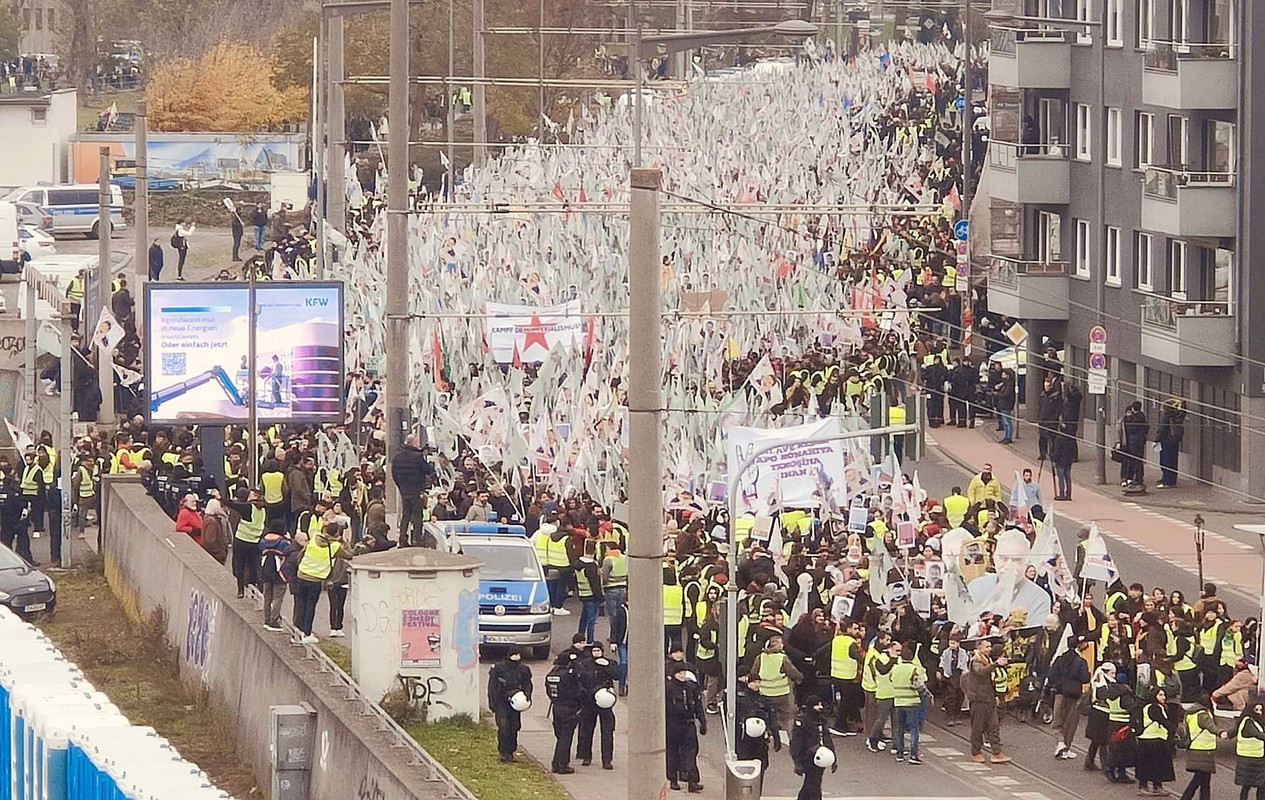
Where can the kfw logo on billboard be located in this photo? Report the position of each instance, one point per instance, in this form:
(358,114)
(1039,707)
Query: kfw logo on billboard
(316,301)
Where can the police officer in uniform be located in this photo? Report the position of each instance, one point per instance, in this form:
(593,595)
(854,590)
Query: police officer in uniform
(13,523)
(596,672)
(752,705)
(684,709)
(566,704)
(506,679)
(811,732)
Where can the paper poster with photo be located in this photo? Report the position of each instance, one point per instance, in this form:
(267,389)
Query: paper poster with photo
(716,491)
(934,575)
(858,519)
(108,333)
(841,608)
(420,638)
(906,535)
(921,600)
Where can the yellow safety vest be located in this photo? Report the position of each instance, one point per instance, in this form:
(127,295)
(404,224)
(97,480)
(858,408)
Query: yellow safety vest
(1112,600)
(1153,729)
(1185,663)
(272,487)
(87,481)
(1231,649)
(1099,704)
(774,682)
(1200,737)
(50,470)
(171,457)
(1116,711)
(1246,746)
(1208,638)
(905,694)
(318,561)
(619,572)
(555,553)
(867,670)
(955,508)
(896,415)
(842,665)
(673,604)
(883,689)
(74,290)
(1001,680)
(250,530)
(582,587)
(30,479)
(314,525)
(702,652)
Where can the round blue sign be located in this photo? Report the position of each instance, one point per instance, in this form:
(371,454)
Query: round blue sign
(961,230)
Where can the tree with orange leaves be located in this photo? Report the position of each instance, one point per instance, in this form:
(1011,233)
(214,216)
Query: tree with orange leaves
(231,87)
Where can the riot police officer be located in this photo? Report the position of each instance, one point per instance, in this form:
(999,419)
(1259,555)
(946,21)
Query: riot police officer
(684,709)
(563,684)
(598,676)
(509,694)
(13,522)
(757,725)
(812,748)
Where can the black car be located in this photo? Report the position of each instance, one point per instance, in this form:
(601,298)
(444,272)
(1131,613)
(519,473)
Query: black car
(23,588)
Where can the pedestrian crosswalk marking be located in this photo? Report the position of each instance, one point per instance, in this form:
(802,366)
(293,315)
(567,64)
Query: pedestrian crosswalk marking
(1000,780)
(970,766)
(944,752)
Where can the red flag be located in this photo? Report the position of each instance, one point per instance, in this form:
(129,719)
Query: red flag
(557,192)
(517,361)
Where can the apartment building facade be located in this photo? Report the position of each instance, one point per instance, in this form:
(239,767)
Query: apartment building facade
(1121,193)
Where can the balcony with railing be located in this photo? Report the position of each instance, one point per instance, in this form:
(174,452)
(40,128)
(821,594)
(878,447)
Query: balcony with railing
(1027,289)
(1181,203)
(1030,58)
(1191,77)
(1188,333)
(1029,173)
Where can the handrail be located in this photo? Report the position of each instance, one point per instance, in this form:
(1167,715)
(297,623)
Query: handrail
(1005,39)
(1006,155)
(1166,55)
(418,756)
(1007,271)
(1158,309)
(1166,182)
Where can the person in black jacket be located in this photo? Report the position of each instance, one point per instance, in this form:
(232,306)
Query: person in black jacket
(1050,409)
(596,672)
(752,704)
(156,260)
(506,679)
(259,221)
(963,379)
(274,548)
(566,705)
(412,473)
(1132,439)
(684,709)
(1169,433)
(1063,455)
(1068,674)
(14,525)
(1004,404)
(238,230)
(811,731)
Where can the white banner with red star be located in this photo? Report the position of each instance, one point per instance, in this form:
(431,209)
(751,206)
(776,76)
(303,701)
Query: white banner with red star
(527,334)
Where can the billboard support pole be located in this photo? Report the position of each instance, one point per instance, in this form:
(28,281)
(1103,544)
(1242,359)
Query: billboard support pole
(105,358)
(65,458)
(140,211)
(396,379)
(252,379)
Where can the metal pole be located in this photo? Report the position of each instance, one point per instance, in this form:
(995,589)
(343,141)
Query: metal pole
(105,276)
(679,67)
(320,147)
(1100,289)
(637,97)
(252,382)
(140,209)
(32,383)
(336,124)
(969,304)
(540,71)
(1199,547)
(65,459)
(480,91)
(646,734)
(838,28)
(396,377)
(452,113)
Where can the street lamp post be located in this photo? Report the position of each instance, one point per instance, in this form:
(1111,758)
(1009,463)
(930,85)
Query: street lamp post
(1199,546)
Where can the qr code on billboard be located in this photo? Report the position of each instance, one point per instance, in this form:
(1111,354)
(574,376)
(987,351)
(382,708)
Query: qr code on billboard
(173,364)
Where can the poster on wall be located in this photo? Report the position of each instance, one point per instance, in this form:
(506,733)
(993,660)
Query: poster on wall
(419,638)
(198,352)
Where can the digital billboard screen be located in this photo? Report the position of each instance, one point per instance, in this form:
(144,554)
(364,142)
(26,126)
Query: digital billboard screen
(199,343)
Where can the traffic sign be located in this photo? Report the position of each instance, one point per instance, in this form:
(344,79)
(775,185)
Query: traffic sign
(1016,334)
(1097,383)
(960,103)
(1098,339)
(962,229)
(1098,361)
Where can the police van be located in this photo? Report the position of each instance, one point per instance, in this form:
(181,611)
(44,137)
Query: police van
(513,598)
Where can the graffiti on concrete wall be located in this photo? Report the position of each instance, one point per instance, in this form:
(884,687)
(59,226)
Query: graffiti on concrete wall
(200,630)
(369,789)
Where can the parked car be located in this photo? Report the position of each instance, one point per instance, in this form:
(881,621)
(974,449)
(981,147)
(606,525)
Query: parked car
(23,588)
(34,214)
(73,207)
(36,242)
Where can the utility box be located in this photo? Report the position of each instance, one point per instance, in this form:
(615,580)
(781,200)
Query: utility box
(415,628)
(743,780)
(291,739)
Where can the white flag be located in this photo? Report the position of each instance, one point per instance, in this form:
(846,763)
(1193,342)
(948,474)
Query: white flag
(1098,565)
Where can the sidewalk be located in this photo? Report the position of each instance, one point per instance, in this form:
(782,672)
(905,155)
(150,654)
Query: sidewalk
(1126,519)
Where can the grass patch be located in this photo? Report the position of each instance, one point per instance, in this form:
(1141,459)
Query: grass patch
(93,105)
(138,671)
(468,750)
(339,654)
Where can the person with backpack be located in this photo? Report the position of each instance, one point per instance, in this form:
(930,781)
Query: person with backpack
(180,241)
(597,674)
(1197,734)
(315,567)
(338,584)
(562,684)
(506,679)
(684,710)
(274,547)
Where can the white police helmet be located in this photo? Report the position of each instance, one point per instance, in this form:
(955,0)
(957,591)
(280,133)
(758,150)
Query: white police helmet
(824,757)
(605,698)
(754,727)
(519,702)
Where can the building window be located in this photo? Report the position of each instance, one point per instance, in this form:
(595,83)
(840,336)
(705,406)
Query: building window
(39,19)
(1049,237)
(1142,262)
(1112,137)
(26,19)
(48,17)
(39,116)
(1115,23)
(1221,423)
(1112,257)
(1177,269)
(1082,14)
(1082,248)
(1084,124)
(1146,23)
(1144,146)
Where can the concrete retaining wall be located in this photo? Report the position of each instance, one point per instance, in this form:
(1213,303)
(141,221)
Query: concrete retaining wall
(245,669)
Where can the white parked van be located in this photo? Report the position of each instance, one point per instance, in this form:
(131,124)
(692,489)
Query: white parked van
(73,207)
(10,241)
